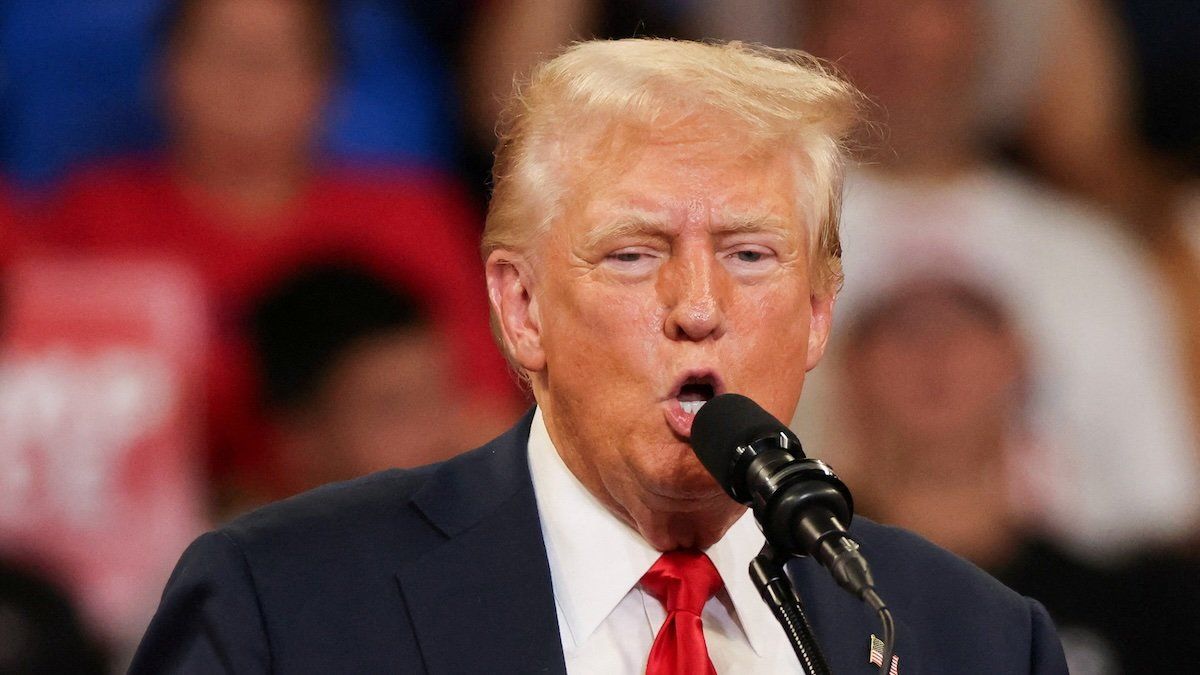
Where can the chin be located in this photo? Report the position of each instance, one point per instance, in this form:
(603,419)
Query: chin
(686,481)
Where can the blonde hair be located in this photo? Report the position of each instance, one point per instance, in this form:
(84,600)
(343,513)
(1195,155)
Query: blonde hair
(764,98)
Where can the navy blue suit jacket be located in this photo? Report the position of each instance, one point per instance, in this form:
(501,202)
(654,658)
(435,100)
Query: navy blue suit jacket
(442,569)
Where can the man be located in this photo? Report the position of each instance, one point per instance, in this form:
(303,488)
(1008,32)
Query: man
(663,229)
(349,365)
(931,199)
(241,197)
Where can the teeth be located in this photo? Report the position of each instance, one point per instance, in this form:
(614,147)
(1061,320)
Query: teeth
(691,407)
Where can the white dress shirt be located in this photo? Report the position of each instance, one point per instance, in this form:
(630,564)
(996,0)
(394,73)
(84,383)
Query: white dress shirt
(606,621)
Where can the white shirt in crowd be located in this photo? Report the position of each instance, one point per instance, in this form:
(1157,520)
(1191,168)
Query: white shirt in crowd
(1108,390)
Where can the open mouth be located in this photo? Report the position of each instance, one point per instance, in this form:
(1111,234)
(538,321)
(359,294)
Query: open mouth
(694,389)
(695,392)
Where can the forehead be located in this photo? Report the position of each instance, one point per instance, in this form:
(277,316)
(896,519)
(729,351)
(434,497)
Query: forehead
(244,19)
(678,181)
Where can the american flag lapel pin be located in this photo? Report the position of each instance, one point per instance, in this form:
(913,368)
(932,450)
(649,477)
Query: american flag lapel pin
(877,655)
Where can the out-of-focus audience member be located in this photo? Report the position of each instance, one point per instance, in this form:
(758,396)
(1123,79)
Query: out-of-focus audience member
(1164,39)
(935,388)
(1106,377)
(40,631)
(100,367)
(1113,118)
(934,383)
(1166,65)
(1079,129)
(367,387)
(77,85)
(503,40)
(508,38)
(241,198)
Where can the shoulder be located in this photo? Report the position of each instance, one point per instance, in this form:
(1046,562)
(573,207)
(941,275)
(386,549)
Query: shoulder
(1060,222)
(291,582)
(398,514)
(121,200)
(928,573)
(370,495)
(374,511)
(958,612)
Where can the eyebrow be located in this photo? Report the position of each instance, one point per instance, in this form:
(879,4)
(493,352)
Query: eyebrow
(634,223)
(647,223)
(735,221)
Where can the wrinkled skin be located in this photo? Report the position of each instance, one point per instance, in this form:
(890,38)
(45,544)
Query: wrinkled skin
(677,259)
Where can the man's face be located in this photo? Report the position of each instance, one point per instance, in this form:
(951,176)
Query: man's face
(362,418)
(916,59)
(936,376)
(245,79)
(675,274)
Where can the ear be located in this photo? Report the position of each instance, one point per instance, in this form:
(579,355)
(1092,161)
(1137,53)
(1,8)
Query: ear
(510,290)
(818,328)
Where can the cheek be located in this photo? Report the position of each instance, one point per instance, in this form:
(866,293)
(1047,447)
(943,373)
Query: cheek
(591,323)
(771,355)
(777,323)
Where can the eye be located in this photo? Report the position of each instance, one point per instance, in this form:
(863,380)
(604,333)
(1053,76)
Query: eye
(626,256)
(633,261)
(750,254)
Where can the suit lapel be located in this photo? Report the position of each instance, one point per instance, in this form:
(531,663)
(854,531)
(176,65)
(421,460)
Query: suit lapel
(844,625)
(482,601)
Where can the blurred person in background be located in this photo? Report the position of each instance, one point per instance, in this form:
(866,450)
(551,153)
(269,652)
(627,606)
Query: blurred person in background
(40,630)
(935,388)
(368,370)
(1164,67)
(79,85)
(503,40)
(241,197)
(1105,372)
(1113,115)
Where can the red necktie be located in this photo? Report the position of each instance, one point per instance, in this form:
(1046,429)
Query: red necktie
(682,581)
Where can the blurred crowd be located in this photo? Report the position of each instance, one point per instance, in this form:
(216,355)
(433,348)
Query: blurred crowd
(239,259)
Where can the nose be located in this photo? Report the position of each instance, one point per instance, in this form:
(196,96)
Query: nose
(693,286)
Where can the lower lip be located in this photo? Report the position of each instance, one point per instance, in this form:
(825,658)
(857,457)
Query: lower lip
(679,420)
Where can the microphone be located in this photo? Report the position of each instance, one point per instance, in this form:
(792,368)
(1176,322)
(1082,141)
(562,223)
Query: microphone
(801,505)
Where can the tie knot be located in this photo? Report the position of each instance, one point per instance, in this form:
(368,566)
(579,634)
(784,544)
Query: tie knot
(682,581)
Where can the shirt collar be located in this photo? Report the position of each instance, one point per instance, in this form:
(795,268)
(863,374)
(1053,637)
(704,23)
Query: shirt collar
(731,555)
(596,558)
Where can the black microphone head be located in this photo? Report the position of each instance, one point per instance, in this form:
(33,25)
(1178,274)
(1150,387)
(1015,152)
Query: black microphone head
(727,422)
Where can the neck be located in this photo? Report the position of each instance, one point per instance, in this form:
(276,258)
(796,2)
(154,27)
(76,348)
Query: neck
(962,505)
(249,190)
(695,525)
(666,522)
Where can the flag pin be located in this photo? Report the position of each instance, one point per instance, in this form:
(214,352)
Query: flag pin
(877,655)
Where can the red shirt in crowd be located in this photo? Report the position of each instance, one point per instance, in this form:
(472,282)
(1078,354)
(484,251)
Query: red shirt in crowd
(8,229)
(413,228)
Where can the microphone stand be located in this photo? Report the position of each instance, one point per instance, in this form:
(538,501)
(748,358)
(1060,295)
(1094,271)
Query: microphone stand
(766,571)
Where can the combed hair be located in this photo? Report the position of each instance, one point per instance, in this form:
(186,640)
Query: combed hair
(763,99)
